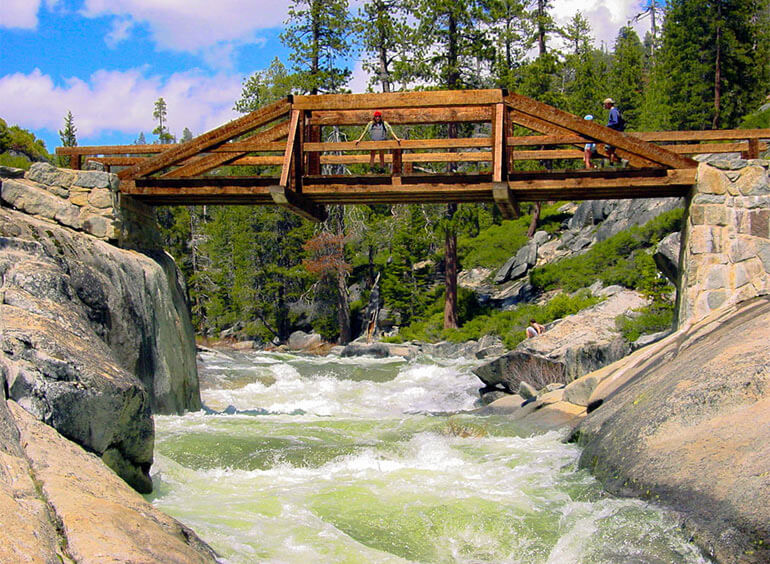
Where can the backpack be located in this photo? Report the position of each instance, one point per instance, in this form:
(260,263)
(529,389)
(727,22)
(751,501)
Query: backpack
(621,122)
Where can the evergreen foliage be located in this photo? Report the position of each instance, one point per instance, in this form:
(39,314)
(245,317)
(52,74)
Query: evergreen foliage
(19,147)
(160,113)
(318,37)
(68,134)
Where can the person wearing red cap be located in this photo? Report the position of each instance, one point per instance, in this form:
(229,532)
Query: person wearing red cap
(378,130)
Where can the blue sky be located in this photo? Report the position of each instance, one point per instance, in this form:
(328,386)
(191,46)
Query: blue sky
(107,61)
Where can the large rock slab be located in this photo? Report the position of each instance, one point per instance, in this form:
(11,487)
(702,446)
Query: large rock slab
(132,301)
(27,533)
(572,347)
(100,518)
(687,423)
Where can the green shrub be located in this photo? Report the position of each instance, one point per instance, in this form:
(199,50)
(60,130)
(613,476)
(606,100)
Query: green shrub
(508,325)
(497,243)
(15,161)
(650,319)
(621,259)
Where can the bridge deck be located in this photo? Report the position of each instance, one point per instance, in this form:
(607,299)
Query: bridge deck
(276,156)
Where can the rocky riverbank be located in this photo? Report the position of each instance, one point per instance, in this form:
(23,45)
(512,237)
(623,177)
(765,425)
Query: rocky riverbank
(94,339)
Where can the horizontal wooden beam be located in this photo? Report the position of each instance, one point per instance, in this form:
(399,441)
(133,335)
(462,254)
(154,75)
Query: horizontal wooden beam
(428,98)
(117,161)
(707,135)
(704,148)
(404,116)
(115,149)
(463,142)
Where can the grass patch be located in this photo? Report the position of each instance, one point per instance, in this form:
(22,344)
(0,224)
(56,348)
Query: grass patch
(496,244)
(15,161)
(649,319)
(509,325)
(622,259)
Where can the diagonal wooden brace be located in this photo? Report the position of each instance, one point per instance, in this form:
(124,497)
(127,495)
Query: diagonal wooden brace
(297,203)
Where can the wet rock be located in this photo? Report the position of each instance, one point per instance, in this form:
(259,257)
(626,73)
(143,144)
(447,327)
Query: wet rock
(377,350)
(301,341)
(99,518)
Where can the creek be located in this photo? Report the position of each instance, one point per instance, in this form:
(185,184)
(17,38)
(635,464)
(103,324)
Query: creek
(334,460)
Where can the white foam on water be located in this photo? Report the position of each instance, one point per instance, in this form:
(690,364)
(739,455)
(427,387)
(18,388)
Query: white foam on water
(394,457)
(416,388)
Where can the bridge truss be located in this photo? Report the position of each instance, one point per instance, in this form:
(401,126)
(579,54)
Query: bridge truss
(276,156)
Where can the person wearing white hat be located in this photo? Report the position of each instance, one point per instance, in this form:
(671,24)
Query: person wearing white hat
(590,148)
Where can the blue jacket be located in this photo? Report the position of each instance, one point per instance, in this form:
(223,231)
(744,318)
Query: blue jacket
(614,120)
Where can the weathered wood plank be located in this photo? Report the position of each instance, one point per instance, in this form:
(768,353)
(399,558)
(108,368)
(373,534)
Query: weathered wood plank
(114,149)
(708,135)
(685,177)
(463,142)
(405,116)
(503,197)
(498,147)
(207,140)
(631,145)
(289,154)
(398,100)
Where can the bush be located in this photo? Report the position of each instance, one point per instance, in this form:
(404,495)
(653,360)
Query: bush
(621,259)
(496,244)
(651,319)
(508,325)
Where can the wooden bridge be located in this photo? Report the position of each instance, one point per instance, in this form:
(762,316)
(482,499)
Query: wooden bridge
(275,155)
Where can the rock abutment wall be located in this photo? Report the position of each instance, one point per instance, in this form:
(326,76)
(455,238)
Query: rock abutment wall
(94,338)
(725,256)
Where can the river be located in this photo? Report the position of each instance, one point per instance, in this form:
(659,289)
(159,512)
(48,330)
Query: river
(329,460)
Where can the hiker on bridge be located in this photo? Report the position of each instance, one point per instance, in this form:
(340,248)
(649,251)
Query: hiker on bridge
(616,122)
(590,148)
(378,130)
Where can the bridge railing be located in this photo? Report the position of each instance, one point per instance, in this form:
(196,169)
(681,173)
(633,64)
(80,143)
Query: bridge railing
(750,143)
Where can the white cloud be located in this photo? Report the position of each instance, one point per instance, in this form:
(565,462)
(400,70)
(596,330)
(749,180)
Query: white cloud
(605,16)
(194,25)
(19,13)
(119,101)
(121,30)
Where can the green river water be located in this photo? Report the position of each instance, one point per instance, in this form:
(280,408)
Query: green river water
(362,460)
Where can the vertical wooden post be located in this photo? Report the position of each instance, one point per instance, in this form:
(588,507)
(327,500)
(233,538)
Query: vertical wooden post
(75,161)
(753,152)
(397,162)
(498,144)
(314,158)
(509,127)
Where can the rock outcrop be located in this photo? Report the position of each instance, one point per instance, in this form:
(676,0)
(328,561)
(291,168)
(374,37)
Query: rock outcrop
(93,338)
(686,422)
(71,508)
(570,348)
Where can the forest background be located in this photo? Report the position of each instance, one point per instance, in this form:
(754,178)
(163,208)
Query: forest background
(262,272)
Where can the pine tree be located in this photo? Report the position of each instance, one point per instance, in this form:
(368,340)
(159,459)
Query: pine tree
(160,113)
(714,53)
(68,134)
(385,38)
(318,39)
(265,87)
(627,75)
(512,33)
(452,43)
(186,135)
(140,140)
(584,70)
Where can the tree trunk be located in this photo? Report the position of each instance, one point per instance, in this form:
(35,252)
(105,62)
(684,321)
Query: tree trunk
(541,27)
(450,273)
(343,309)
(535,219)
(718,70)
